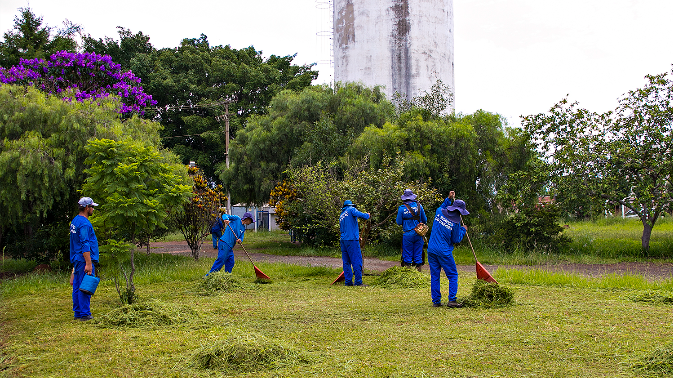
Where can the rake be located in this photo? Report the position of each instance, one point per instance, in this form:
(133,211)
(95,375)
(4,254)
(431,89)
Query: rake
(258,272)
(482,273)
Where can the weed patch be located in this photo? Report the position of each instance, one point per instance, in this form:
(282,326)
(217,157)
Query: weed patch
(658,363)
(402,277)
(653,296)
(147,315)
(219,282)
(246,352)
(488,295)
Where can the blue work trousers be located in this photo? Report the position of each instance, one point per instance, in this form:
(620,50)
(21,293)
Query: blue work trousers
(216,236)
(437,262)
(412,247)
(351,255)
(81,303)
(225,257)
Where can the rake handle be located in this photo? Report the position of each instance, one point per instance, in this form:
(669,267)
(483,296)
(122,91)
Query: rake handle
(468,239)
(241,244)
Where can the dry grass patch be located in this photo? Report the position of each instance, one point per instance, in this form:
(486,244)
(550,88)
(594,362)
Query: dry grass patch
(402,277)
(246,352)
(151,313)
(488,295)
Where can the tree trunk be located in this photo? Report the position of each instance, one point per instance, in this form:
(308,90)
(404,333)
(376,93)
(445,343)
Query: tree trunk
(647,233)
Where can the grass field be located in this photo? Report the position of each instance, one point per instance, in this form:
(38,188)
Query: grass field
(558,326)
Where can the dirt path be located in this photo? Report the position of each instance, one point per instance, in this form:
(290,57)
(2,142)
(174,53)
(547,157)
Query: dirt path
(651,271)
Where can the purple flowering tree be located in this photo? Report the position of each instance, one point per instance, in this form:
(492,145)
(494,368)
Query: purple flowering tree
(80,76)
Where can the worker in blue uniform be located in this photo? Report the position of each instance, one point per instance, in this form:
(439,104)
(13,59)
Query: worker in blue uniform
(351,255)
(446,231)
(216,230)
(83,256)
(409,215)
(234,231)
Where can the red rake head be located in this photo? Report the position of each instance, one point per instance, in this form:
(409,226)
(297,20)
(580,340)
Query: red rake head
(483,274)
(341,278)
(260,274)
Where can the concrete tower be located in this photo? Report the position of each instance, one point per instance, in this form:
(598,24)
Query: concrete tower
(404,45)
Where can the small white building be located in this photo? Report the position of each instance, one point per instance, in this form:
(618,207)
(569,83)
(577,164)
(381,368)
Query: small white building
(265,217)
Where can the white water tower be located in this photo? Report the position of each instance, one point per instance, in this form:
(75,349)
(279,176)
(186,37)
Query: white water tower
(404,45)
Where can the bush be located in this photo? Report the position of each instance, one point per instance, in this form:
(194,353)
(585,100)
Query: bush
(533,229)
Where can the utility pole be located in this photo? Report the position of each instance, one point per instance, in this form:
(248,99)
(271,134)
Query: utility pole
(226,103)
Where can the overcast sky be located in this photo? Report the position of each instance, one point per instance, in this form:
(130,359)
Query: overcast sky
(512,57)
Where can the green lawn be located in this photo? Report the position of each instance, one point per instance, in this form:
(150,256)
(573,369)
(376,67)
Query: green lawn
(556,327)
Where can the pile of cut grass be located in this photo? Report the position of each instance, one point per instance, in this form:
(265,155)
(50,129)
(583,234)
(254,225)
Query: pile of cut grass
(653,296)
(658,363)
(219,282)
(245,352)
(402,277)
(147,314)
(488,295)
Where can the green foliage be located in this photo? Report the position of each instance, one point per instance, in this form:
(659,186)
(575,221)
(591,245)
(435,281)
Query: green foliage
(312,211)
(190,82)
(430,104)
(196,217)
(402,277)
(623,157)
(533,228)
(316,124)
(42,162)
(136,185)
(30,39)
(488,295)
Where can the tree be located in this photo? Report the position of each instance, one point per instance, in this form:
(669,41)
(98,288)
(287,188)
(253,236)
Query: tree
(310,200)
(80,76)
(301,128)
(136,186)
(198,216)
(42,162)
(623,157)
(430,104)
(30,40)
(190,83)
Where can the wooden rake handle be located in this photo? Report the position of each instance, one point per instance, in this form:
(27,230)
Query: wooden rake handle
(468,239)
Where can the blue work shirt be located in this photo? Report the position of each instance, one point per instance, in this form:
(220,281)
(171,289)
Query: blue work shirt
(405,218)
(348,223)
(444,234)
(82,239)
(235,223)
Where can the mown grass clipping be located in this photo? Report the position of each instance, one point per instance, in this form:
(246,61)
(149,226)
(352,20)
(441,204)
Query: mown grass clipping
(219,282)
(147,314)
(658,363)
(246,352)
(402,277)
(488,295)
(653,296)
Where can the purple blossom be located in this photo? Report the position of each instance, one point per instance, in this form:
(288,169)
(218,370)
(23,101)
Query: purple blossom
(90,75)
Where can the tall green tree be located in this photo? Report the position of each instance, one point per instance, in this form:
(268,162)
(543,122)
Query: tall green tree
(31,39)
(311,198)
(301,128)
(42,161)
(190,83)
(623,157)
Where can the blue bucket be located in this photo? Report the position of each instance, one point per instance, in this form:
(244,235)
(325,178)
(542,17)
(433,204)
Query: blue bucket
(89,284)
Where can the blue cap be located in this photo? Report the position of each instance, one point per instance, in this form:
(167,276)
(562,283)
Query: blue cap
(86,201)
(248,215)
